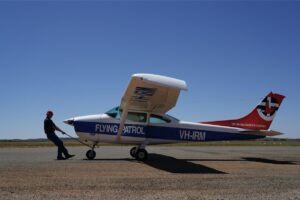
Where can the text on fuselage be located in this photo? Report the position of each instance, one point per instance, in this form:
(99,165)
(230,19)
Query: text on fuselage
(112,128)
(192,135)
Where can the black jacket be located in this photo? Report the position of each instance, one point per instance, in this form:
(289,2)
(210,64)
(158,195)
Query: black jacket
(49,126)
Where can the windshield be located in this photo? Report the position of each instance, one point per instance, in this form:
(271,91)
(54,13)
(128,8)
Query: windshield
(114,113)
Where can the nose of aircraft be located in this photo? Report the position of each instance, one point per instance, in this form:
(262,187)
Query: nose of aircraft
(69,121)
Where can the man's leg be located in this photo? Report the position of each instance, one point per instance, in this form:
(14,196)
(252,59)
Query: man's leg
(63,149)
(58,143)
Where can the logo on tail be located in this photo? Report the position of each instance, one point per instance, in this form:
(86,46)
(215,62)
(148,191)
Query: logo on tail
(267,108)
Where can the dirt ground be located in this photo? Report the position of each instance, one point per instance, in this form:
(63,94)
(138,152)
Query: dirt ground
(170,173)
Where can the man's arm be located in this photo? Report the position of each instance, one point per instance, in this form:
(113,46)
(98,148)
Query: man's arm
(58,129)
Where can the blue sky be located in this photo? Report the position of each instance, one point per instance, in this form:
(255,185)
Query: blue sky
(76,58)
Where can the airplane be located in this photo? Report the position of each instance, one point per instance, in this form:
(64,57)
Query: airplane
(141,119)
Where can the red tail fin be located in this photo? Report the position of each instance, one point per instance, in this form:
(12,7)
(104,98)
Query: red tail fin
(260,118)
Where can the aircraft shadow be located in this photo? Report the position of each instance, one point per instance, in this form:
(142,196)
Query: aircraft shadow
(186,166)
(251,159)
(173,165)
(111,159)
(269,161)
(161,157)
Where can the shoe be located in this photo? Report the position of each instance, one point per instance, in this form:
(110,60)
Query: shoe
(61,158)
(69,156)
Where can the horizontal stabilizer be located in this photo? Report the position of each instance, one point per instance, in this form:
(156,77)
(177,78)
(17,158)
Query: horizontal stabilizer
(263,132)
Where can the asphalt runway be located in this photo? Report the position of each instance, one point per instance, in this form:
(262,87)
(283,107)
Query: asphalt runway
(170,173)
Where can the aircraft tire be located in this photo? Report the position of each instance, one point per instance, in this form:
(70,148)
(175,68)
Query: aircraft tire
(133,152)
(141,155)
(90,154)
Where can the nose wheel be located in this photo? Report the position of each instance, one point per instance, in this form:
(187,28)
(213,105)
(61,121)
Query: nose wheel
(91,154)
(139,154)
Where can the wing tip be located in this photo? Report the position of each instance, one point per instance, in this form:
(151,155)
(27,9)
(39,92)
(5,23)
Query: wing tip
(163,80)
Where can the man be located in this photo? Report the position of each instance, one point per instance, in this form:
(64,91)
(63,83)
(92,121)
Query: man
(50,128)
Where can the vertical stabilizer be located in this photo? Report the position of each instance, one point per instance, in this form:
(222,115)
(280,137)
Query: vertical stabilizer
(261,116)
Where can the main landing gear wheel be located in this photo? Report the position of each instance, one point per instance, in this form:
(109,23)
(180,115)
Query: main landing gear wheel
(91,154)
(133,152)
(141,155)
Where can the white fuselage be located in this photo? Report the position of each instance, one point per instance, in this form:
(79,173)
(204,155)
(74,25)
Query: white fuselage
(103,128)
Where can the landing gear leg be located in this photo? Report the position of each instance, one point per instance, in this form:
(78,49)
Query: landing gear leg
(91,154)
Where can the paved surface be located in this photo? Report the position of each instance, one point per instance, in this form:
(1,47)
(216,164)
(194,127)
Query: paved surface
(170,173)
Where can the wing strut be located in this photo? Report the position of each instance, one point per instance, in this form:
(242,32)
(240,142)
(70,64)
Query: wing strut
(122,122)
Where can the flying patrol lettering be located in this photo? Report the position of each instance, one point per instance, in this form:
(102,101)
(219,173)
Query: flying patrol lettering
(111,128)
(192,135)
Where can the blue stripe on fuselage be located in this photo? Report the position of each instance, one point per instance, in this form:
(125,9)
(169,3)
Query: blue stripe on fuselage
(159,132)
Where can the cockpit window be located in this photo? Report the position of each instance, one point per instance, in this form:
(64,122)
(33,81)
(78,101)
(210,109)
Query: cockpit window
(156,119)
(131,116)
(136,117)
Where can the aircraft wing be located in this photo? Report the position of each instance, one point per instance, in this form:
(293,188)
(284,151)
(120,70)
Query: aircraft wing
(150,93)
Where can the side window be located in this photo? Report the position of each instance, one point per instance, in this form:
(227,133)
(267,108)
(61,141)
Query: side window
(136,117)
(156,119)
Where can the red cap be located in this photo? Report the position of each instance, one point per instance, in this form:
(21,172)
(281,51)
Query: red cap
(49,113)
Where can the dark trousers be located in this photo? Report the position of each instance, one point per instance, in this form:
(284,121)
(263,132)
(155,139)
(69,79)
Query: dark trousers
(61,148)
